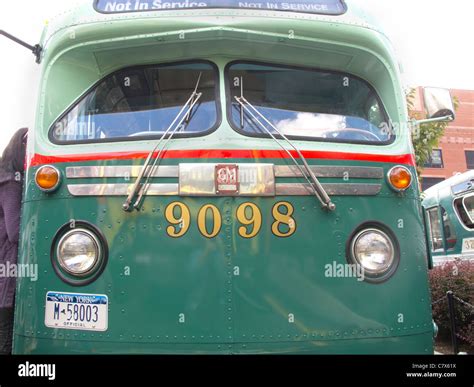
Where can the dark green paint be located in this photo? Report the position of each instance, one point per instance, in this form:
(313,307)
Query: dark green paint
(226,313)
(193,275)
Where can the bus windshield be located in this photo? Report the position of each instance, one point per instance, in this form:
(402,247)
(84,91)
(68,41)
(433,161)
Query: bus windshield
(139,102)
(468,203)
(307,104)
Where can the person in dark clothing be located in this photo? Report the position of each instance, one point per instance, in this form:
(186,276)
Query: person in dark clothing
(12,167)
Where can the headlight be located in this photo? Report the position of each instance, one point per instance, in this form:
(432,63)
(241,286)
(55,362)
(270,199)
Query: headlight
(78,252)
(374,250)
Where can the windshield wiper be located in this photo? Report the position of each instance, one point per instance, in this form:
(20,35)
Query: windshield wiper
(148,171)
(307,173)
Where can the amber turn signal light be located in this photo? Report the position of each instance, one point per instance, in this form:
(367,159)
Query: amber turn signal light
(400,178)
(47,178)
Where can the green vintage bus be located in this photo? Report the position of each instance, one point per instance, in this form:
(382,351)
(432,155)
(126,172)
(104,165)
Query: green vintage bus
(221,177)
(449,214)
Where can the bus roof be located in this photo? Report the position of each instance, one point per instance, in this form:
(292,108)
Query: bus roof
(455,185)
(91,12)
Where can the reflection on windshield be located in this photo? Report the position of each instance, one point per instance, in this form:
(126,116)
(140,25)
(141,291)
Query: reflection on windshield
(139,102)
(308,104)
(149,122)
(316,125)
(310,124)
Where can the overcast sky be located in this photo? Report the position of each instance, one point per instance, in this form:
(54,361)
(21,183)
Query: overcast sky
(432,37)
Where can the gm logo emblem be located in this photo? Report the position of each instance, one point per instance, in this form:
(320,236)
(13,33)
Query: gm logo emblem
(227,179)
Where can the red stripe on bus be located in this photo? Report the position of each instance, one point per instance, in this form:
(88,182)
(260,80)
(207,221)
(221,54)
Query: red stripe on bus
(408,159)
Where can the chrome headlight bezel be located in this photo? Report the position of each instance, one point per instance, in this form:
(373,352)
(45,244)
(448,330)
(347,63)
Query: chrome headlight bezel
(95,244)
(374,275)
(93,272)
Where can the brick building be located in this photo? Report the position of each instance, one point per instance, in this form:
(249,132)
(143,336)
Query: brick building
(455,153)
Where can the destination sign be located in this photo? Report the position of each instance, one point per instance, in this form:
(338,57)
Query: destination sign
(326,7)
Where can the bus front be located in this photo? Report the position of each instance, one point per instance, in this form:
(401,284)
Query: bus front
(208,178)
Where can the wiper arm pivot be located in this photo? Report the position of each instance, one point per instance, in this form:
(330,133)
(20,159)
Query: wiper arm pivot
(148,171)
(307,173)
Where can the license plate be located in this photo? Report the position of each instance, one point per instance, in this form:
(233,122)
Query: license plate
(87,312)
(468,245)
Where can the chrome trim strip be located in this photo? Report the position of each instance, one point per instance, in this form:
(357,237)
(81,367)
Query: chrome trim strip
(120,189)
(332,171)
(304,189)
(281,189)
(125,171)
(288,171)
